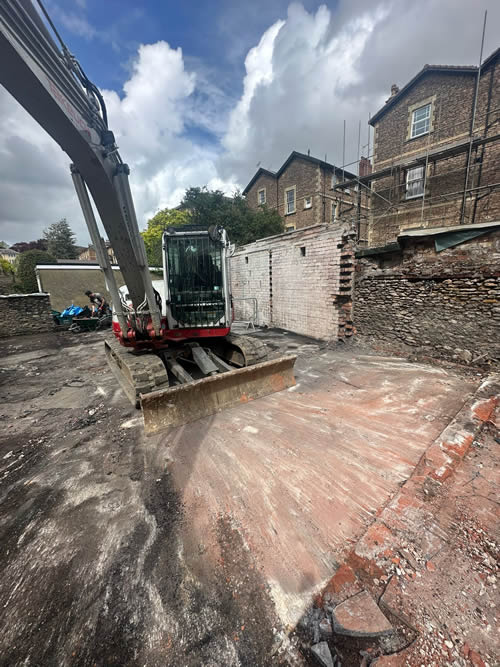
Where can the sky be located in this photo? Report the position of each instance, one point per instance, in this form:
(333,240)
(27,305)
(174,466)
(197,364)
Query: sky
(204,92)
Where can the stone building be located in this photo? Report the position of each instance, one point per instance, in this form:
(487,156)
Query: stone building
(89,254)
(8,255)
(436,156)
(304,192)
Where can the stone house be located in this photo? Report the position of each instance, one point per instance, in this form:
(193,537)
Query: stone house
(303,191)
(436,155)
(8,255)
(89,254)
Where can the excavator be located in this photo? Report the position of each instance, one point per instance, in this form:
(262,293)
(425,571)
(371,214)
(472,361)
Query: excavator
(172,352)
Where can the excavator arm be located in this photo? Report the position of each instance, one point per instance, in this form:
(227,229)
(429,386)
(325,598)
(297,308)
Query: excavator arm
(50,84)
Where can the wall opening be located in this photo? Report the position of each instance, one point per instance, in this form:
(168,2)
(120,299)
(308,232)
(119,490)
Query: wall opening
(303,251)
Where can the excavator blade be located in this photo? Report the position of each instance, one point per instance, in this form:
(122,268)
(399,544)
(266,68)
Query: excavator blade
(188,402)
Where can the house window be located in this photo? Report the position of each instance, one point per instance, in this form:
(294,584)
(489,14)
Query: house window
(290,200)
(289,228)
(421,121)
(335,180)
(307,202)
(261,197)
(334,206)
(415,182)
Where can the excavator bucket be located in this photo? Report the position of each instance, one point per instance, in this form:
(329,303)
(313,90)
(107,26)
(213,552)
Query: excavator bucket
(188,402)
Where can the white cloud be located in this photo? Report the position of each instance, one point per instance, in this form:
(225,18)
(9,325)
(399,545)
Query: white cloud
(149,123)
(314,70)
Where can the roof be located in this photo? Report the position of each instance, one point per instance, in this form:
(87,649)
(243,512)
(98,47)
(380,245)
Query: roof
(301,156)
(8,252)
(432,231)
(426,69)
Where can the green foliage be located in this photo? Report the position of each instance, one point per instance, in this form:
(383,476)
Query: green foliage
(25,268)
(242,223)
(3,244)
(6,267)
(61,240)
(156,226)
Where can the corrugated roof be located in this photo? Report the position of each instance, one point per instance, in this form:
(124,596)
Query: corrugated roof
(432,231)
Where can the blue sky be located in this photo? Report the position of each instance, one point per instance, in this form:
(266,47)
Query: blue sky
(200,93)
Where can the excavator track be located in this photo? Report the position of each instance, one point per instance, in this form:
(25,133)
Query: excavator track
(248,376)
(244,350)
(136,373)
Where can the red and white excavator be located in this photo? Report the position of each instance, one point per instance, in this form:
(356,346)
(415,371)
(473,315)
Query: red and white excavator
(173,351)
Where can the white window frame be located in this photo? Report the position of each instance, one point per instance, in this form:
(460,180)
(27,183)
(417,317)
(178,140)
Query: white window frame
(308,202)
(293,189)
(261,203)
(426,119)
(334,210)
(412,178)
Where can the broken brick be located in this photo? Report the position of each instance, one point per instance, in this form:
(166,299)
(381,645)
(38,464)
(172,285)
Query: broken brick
(476,659)
(359,616)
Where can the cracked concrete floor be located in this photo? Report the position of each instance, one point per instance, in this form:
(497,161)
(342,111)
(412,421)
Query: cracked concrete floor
(203,545)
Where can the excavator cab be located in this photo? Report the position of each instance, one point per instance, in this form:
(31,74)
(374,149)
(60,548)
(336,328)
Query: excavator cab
(196,269)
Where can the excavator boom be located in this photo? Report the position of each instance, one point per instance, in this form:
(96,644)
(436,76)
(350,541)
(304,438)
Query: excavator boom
(44,80)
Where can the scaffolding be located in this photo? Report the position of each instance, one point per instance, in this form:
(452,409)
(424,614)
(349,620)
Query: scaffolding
(470,182)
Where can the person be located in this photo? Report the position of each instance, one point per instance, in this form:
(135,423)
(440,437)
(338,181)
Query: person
(99,305)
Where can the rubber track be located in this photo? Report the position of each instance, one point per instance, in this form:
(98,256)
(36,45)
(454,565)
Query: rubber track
(145,371)
(253,350)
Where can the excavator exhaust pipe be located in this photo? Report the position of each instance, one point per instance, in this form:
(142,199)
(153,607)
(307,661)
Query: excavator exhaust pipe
(188,402)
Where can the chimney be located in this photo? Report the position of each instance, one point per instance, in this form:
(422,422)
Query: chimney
(394,90)
(365,167)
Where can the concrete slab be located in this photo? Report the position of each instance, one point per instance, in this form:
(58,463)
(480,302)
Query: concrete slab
(303,473)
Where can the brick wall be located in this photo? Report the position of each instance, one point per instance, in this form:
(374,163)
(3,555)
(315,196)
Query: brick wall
(24,314)
(68,285)
(447,303)
(302,281)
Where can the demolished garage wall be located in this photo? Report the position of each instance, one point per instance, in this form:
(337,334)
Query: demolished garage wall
(301,280)
(445,302)
(24,314)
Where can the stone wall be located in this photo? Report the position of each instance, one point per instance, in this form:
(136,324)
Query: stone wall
(302,281)
(447,303)
(24,314)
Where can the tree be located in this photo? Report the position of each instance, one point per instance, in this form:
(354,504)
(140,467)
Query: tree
(6,267)
(23,246)
(3,244)
(242,223)
(156,226)
(61,240)
(25,268)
